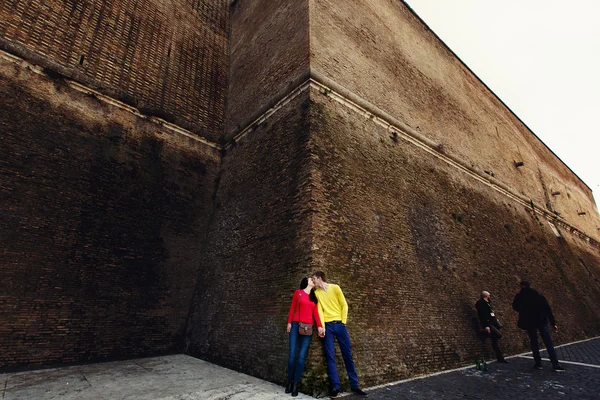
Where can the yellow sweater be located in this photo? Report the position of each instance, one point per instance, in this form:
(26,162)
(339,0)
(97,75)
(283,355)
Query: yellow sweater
(332,304)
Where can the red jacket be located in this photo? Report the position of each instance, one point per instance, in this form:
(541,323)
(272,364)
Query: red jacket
(303,310)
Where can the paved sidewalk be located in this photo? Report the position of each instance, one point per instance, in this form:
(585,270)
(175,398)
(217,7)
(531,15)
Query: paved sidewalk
(176,377)
(517,380)
(182,377)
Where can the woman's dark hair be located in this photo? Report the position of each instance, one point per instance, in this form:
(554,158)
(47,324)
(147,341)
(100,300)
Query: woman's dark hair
(312,296)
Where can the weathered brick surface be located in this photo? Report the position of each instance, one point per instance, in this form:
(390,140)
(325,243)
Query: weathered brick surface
(168,58)
(269,48)
(103,218)
(382,52)
(109,221)
(258,248)
(413,241)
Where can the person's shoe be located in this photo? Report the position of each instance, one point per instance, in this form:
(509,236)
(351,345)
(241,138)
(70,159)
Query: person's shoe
(359,392)
(295,389)
(288,388)
(558,368)
(334,393)
(538,366)
(503,361)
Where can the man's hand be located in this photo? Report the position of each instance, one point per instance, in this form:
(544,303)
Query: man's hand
(487,329)
(321,332)
(555,328)
(289,328)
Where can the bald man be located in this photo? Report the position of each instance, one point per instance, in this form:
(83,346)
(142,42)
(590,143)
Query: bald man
(489,323)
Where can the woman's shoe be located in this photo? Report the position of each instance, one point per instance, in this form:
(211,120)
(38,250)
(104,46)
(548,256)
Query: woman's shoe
(294,389)
(288,388)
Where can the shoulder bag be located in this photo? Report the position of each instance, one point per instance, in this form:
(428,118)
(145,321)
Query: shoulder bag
(303,329)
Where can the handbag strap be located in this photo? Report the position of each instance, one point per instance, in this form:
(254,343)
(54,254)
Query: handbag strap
(297,305)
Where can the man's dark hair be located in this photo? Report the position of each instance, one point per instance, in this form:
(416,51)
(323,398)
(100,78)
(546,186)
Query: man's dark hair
(319,274)
(525,284)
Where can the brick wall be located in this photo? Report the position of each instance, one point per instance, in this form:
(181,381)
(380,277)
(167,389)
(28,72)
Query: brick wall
(111,220)
(269,49)
(413,241)
(382,52)
(258,248)
(169,58)
(102,223)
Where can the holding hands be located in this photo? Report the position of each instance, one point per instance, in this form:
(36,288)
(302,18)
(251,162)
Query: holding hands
(321,330)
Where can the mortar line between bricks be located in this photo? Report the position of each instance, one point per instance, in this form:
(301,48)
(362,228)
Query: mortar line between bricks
(566,362)
(463,368)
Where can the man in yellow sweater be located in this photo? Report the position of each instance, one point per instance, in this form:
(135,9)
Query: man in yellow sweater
(334,311)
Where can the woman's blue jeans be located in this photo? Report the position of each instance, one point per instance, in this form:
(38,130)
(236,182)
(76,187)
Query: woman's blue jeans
(299,345)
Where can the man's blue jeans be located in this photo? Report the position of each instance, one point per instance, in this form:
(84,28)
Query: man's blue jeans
(297,357)
(535,347)
(337,330)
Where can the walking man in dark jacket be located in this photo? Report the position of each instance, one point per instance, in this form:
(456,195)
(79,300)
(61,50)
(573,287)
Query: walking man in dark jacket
(534,314)
(490,323)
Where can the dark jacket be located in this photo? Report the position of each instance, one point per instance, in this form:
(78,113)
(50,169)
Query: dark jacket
(486,314)
(533,308)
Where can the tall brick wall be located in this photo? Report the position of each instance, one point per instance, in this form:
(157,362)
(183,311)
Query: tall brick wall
(413,241)
(269,49)
(169,58)
(259,238)
(124,238)
(382,52)
(258,248)
(103,220)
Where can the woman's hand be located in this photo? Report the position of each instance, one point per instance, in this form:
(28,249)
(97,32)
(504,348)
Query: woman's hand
(289,328)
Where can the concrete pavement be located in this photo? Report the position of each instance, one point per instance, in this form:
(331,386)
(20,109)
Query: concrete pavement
(177,377)
(181,377)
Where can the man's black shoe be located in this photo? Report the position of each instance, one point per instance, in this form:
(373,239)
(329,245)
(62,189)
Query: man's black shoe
(359,392)
(334,393)
(288,388)
(503,361)
(538,366)
(558,368)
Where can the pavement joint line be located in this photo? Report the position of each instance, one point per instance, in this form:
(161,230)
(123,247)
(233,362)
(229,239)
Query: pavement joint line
(466,367)
(579,341)
(92,386)
(567,362)
(142,367)
(422,377)
(556,347)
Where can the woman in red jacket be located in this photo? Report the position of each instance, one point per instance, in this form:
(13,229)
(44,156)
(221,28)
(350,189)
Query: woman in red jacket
(303,309)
